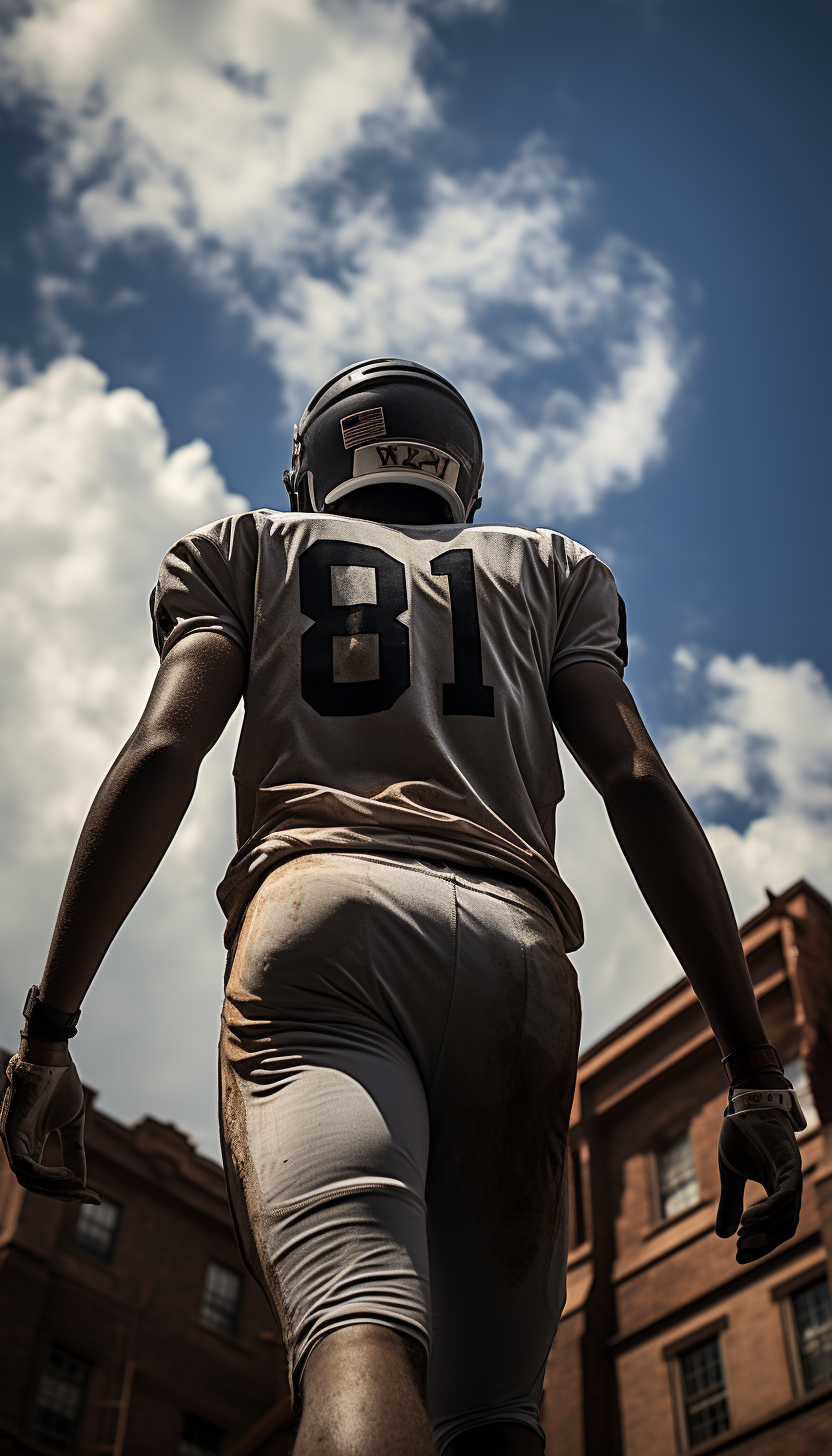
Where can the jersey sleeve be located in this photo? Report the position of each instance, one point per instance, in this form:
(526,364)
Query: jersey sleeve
(592,620)
(198,591)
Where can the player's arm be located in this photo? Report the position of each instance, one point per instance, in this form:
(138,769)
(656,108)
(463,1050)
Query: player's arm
(663,843)
(677,873)
(140,805)
(133,819)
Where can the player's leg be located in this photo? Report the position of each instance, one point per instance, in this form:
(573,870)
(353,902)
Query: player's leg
(500,1104)
(364,1395)
(325,1125)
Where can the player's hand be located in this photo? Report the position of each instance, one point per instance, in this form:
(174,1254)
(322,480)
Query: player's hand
(759,1146)
(39,1100)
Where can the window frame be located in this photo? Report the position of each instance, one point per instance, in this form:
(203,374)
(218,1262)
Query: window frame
(52,1440)
(577,1238)
(784,1294)
(660,1218)
(807,1096)
(85,1248)
(232,1331)
(673,1355)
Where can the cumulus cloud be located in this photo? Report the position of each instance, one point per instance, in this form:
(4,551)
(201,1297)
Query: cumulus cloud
(246,142)
(764,746)
(760,750)
(198,120)
(625,960)
(90,498)
(487,288)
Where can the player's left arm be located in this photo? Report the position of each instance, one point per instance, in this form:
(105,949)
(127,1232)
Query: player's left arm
(677,873)
(133,819)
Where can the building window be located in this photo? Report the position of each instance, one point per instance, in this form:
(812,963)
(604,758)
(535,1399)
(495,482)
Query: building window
(813,1322)
(221,1298)
(60,1398)
(703,1392)
(676,1173)
(199,1437)
(577,1226)
(797,1074)
(95,1230)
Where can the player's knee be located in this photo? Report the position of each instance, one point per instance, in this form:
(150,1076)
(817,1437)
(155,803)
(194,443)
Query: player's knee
(363,1353)
(363,1392)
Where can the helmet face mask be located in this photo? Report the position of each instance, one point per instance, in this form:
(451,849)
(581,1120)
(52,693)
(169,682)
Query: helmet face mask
(386,421)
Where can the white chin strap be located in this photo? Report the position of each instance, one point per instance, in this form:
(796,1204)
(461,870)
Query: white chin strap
(401,477)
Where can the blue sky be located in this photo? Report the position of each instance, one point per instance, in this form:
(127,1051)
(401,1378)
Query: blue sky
(609,222)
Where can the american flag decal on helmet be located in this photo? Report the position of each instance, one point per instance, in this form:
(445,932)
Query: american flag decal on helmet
(365,425)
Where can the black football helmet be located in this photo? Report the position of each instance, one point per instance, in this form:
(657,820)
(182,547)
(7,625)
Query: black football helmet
(386,421)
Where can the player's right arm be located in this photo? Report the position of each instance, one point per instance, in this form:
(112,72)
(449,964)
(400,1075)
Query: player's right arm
(133,819)
(678,875)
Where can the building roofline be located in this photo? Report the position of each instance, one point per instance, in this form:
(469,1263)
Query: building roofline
(627,1025)
(777,905)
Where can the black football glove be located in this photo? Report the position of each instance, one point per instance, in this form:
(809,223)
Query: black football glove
(40,1100)
(760,1146)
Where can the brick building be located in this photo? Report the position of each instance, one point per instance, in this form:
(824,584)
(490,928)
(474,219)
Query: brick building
(133,1328)
(667,1344)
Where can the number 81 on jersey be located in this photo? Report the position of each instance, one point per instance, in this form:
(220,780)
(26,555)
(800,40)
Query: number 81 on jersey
(467,694)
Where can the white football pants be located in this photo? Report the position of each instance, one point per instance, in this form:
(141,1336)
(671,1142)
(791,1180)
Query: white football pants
(398,1059)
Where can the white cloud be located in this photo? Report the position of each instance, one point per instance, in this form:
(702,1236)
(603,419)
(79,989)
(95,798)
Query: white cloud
(239,140)
(90,498)
(766,723)
(763,737)
(484,247)
(765,741)
(198,120)
(625,959)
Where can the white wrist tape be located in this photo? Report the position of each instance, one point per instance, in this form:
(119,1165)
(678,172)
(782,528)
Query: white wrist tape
(767,1099)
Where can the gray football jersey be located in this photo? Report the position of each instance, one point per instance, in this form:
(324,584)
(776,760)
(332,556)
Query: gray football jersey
(397,687)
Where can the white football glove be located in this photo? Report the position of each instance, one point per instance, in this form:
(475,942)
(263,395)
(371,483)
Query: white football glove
(40,1100)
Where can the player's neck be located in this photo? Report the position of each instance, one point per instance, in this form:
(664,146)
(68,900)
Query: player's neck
(394,505)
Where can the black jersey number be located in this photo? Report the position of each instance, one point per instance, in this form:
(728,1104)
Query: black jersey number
(467,694)
(318,688)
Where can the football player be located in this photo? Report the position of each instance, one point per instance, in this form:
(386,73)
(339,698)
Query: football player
(400,1030)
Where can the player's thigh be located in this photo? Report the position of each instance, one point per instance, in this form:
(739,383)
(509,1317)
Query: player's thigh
(500,1106)
(325,1122)
(345,965)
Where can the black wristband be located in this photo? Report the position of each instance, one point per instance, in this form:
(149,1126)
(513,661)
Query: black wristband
(45,1022)
(764,1058)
